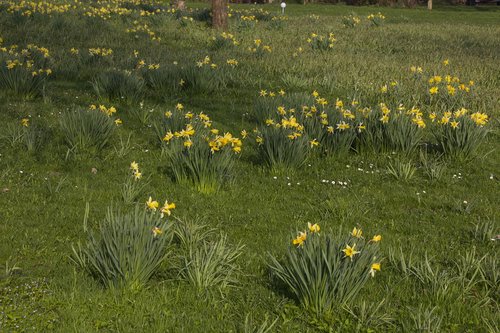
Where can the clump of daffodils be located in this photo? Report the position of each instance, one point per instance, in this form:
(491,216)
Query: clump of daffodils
(224,39)
(350,21)
(187,128)
(109,111)
(321,42)
(259,48)
(154,206)
(376,19)
(198,153)
(459,133)
(322,269)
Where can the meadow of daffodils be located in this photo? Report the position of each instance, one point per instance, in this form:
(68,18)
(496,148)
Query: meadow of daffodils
(327,169)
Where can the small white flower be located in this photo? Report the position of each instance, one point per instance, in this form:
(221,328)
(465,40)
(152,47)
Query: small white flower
(289,184)
(275,177)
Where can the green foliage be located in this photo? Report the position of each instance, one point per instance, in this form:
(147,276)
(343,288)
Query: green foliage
(21,82)
(460,143)
(251,327)
(433,167)
(124,251)
(484,231)
(320,276)
(423,319)
(211,266)
(369,315)
(398,133)
(401,170)
(86,130)
(190,234)
(278,152)
(119,85)
(198,165)
(323,43)
(132,188)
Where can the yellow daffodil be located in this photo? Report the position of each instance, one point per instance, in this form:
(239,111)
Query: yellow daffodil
(356,232)
(156,231)
(376,238)
(152,204)
(313,227)
(375,267)
(314,143)
(349,251)
(134,166)
(167,208)
(25,122)
(301,237)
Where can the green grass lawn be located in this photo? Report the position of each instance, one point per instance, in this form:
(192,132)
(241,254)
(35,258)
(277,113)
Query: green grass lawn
(439,264)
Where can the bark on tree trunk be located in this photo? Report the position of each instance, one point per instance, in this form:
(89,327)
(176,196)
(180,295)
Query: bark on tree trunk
(429,4)
(219,14)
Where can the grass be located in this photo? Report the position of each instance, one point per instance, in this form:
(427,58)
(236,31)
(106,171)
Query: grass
(437,218)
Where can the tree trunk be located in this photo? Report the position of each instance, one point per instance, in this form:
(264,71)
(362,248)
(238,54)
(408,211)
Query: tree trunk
(429,4)
(219,14)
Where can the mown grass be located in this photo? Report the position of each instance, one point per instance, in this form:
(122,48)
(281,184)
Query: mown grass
(43,193)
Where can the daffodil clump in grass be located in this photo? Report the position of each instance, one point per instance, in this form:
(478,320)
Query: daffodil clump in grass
(320,42)
(338,126)
(324,271)
(197,153)
(24,71)
(128,247)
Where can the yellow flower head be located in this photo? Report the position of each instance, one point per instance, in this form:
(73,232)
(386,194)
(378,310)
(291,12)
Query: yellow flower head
(356,232)
(375,267)
(349,251)
(314,143)
(301,237)
(134,166)
(313,227)
(152,204)
(25,122)
(167,208)
(156,231)
(376,238)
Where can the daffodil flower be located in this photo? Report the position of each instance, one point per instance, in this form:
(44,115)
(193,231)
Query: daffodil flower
(301,237)
(152,204)
(313,227)
(167,207)
(349,251)
(375,267)
(356,233)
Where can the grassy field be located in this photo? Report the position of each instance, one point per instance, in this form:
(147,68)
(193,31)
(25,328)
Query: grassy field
(434,201)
